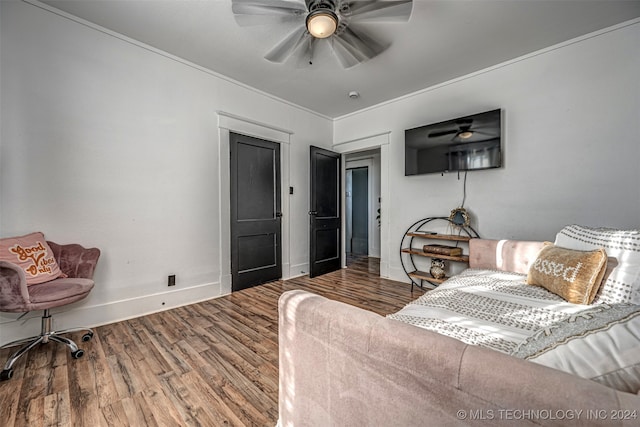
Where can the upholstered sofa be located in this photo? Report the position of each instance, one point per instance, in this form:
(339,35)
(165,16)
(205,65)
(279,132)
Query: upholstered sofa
(344,366)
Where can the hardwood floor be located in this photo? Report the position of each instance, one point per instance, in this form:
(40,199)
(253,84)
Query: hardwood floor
(213,363)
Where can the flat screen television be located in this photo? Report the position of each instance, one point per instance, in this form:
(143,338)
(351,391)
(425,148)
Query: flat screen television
(463,144)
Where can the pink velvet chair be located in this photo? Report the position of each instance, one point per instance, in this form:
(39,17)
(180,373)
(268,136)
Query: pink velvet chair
(78,264)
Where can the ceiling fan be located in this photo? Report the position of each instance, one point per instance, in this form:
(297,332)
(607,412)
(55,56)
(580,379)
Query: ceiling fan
(332,21)
(463,132)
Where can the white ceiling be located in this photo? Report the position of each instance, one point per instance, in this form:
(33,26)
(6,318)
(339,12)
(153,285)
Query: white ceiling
(443,39)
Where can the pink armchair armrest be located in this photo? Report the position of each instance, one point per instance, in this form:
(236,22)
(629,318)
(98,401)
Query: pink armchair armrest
(13,286)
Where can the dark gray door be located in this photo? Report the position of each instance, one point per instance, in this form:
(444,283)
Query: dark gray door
(256,233)
(324,216)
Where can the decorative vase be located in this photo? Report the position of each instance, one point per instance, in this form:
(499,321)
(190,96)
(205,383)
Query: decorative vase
(437,268)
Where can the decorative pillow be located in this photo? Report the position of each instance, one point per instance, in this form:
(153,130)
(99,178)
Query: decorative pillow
(573,275)
(601,343)
(623,282)
(32,253)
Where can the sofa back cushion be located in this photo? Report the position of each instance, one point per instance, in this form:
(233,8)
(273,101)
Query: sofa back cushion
(505,255)
(622,280)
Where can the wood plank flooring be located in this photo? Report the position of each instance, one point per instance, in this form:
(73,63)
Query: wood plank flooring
(213,363)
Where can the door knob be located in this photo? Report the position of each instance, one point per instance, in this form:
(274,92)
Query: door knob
(314,213)
(278,214)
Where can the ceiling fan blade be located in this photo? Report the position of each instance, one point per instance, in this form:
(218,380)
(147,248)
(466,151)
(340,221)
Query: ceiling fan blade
(268,7)
(304,55)
(380,10)
(256,20)
(443,133)
(358,44)
(479,132)
(346,59)
(288,45)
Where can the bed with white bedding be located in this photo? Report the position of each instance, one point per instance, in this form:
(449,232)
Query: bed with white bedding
(489,308)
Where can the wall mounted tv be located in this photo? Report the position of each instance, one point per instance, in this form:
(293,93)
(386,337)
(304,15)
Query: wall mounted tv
(462,144)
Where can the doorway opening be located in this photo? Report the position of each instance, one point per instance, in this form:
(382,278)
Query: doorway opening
(357,211)
(362,207)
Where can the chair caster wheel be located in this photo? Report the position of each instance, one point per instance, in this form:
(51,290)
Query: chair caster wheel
(6,374)
(77,354)
(87,337)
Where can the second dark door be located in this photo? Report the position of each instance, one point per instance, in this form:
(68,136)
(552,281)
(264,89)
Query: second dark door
(325,220)
(256,231)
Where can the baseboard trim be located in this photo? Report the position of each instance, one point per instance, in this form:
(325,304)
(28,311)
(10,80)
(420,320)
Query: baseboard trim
(298,270)
(79,314)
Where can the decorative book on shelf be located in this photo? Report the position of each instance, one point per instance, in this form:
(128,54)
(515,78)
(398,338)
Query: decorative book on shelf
(442,250)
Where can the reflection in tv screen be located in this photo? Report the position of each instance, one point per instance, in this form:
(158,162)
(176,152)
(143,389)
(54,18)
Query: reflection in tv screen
(462,144)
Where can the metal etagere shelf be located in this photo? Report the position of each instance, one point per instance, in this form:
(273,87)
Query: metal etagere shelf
(418,231)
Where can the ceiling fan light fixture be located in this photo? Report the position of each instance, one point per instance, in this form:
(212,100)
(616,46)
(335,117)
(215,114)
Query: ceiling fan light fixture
(322,23)
(465,135)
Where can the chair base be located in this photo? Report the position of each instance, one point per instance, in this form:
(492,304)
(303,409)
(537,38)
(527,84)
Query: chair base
(46,335)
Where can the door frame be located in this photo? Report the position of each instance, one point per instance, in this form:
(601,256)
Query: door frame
(381,141)
(228,122)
